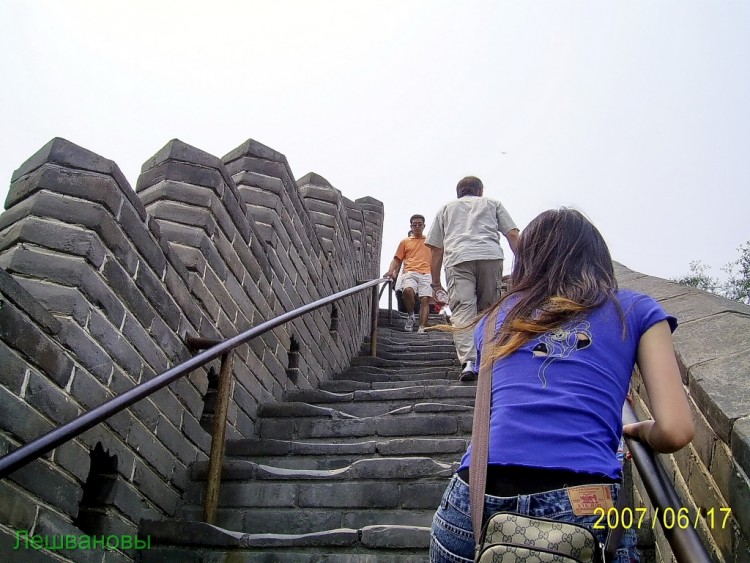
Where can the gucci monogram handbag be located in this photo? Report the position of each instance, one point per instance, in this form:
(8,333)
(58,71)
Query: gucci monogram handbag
(509,537)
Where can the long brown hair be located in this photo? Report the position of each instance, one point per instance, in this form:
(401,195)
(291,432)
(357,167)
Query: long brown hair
(562,269)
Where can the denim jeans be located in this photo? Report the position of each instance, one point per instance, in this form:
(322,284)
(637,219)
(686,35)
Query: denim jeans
(452,538)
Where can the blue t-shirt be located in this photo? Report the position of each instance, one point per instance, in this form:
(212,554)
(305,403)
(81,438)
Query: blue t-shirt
(557,400)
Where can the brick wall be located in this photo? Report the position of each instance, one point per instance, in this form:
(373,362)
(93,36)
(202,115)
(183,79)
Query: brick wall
(100,285)
(713,350)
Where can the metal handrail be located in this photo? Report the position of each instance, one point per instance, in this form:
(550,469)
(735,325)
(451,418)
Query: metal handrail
(685,542)
(390,287)
(49,441)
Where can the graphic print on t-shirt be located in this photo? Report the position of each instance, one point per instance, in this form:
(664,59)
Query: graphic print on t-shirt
(561,344)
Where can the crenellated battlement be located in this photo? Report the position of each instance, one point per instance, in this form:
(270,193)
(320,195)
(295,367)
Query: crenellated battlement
(102,284)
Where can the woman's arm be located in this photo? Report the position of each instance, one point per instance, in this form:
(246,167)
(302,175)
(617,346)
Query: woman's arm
(672,426)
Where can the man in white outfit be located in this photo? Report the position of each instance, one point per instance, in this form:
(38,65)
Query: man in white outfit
(465,237)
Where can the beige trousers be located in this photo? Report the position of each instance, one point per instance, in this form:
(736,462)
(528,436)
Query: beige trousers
(472,287)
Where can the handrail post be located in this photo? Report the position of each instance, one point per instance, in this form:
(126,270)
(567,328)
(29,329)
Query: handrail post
(216,456)
(390,301)
(374,322)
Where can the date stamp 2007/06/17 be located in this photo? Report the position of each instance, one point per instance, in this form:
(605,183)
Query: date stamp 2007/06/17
(670,518)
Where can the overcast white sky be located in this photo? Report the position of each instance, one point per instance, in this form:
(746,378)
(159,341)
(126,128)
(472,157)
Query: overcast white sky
(637,113)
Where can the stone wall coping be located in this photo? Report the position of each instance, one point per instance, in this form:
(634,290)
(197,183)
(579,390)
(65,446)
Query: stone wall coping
(712,343)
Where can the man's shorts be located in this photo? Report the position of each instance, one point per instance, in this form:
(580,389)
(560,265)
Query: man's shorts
(420,283)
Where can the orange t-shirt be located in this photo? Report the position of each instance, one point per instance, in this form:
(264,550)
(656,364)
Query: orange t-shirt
(415,255)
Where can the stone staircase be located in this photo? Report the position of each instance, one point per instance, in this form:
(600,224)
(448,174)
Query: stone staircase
(352,471)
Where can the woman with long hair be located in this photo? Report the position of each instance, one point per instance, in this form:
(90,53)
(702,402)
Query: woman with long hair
(565,344)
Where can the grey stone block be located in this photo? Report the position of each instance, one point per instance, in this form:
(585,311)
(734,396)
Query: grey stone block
(181,172)
(392,537)
(129,294)
(19,419)
(252,148)
(34,344)
(721,390)
(59,299)
(258,494)
(148,446)
(176,442)
(155,488)
(73,458)
(133,223)
(55,488)
(207,301)
(24,553)
(53,528)
(49,399)
(423,495)
(117,345)
(89,353)
(14,371)
(417,425)
(739,501)
(65,154)
(361,519)
(17,510)
(152,287)
(399,468)
(170,190)
(740,443)
(174,212)
(184,394)
(178,289)
(142,341)
(285,521)
(346,495)
(66,239)
(77,183)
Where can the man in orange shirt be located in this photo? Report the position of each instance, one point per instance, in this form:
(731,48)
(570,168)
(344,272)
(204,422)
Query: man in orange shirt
(415,257)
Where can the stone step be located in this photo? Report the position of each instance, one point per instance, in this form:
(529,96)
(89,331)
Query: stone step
(415,356)
(407,392)
(330,455)
(430,339)
(432,371)
(352,471)
(257,498)
(423,420)
(371,375)
(306,521)
(401,361)
(398,334)
(369,544)
(347,385)
(366,409)
(395,469)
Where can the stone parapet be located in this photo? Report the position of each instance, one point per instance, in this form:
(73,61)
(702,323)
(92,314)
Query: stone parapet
(712,343)
(99,287)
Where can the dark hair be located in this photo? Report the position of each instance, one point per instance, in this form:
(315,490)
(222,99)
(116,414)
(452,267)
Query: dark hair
(417,217)
(562,269)
(471,185)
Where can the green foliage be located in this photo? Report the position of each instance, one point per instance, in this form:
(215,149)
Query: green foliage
(699,278)
(737,285)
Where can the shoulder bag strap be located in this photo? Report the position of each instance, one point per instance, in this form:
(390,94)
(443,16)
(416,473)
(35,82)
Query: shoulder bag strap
(480,430)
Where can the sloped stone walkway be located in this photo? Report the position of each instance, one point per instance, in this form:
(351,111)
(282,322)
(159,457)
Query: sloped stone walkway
(352,471)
